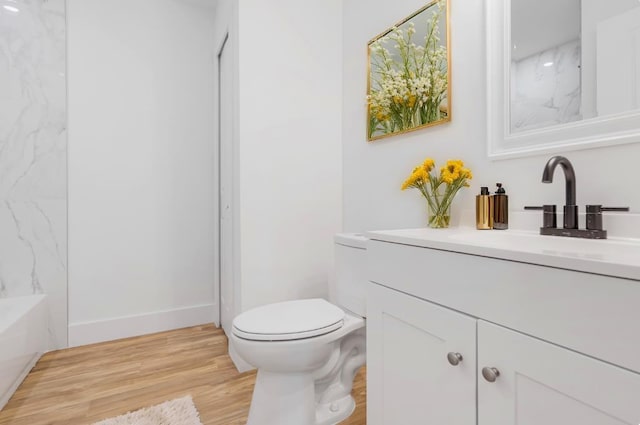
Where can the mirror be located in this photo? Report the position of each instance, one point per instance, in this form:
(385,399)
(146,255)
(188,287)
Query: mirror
(562,75)
(408,85)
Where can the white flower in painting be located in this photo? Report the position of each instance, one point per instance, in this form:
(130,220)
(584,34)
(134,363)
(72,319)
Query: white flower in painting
(412,29)
(420,87)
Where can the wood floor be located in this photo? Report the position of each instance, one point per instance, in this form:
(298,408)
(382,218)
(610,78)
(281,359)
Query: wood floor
(86,384)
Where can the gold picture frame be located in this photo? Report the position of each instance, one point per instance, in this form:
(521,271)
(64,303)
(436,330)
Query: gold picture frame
(409,84)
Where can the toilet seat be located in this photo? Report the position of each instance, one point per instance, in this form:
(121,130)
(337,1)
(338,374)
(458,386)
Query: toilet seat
(289,320)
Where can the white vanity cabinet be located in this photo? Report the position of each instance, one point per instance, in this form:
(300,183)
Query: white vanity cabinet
(541,383)
(563,346)
(409,377)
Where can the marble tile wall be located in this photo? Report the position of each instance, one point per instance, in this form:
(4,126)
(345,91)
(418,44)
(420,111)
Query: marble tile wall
(546,88)
(33,155)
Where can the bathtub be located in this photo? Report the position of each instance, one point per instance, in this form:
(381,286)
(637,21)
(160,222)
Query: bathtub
(23,339)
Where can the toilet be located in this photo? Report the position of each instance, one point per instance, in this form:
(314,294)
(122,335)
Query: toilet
(307,352)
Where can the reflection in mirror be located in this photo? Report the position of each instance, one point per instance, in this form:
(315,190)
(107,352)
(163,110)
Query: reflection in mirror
(573,60)
(408,81)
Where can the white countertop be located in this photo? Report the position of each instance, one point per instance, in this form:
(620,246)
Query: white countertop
(610,257)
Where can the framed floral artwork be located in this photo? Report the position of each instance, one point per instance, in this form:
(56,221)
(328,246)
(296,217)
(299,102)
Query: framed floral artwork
(408,85)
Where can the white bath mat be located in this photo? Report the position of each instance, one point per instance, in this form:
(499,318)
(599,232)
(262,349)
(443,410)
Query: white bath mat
(180,411)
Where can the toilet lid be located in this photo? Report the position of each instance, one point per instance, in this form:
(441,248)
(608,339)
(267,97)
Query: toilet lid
(289,320)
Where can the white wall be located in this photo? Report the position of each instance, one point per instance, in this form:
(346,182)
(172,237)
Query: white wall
(290,180)
(141,152)
(373,172)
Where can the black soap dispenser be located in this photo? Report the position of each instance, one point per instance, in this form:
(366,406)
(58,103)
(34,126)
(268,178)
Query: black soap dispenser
(500,209)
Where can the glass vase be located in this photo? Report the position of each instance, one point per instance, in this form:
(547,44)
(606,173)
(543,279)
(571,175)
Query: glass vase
(439,214)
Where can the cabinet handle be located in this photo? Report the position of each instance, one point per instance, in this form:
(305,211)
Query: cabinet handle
(490,373)
(454,358)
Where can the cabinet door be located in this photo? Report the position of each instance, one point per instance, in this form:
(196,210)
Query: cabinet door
(409,378)
(541,383)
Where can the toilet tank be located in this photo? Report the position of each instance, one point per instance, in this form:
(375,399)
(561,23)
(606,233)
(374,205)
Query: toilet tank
(350,279)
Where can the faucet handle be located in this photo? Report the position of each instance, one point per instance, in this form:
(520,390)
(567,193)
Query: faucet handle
(621,209)
(597,209)
(594,215)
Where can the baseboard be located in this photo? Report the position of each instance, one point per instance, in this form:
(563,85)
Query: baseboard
(142,324)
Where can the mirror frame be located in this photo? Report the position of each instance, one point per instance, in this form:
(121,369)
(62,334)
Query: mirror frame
(609,130)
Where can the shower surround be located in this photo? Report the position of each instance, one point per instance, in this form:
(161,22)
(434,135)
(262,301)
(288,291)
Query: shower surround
(33,156)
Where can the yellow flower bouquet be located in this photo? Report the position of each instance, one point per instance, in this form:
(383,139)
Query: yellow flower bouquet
(439,189)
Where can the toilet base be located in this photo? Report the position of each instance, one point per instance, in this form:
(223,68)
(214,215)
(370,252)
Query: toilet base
(288,399)
(283,399)
(335,412)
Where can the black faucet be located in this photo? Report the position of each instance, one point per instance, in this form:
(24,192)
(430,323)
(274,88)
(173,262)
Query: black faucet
(570,220)
(593,229)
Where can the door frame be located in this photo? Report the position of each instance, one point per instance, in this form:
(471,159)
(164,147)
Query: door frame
(217,318)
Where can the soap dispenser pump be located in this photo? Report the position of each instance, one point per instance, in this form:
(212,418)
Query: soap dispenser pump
(500,209)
